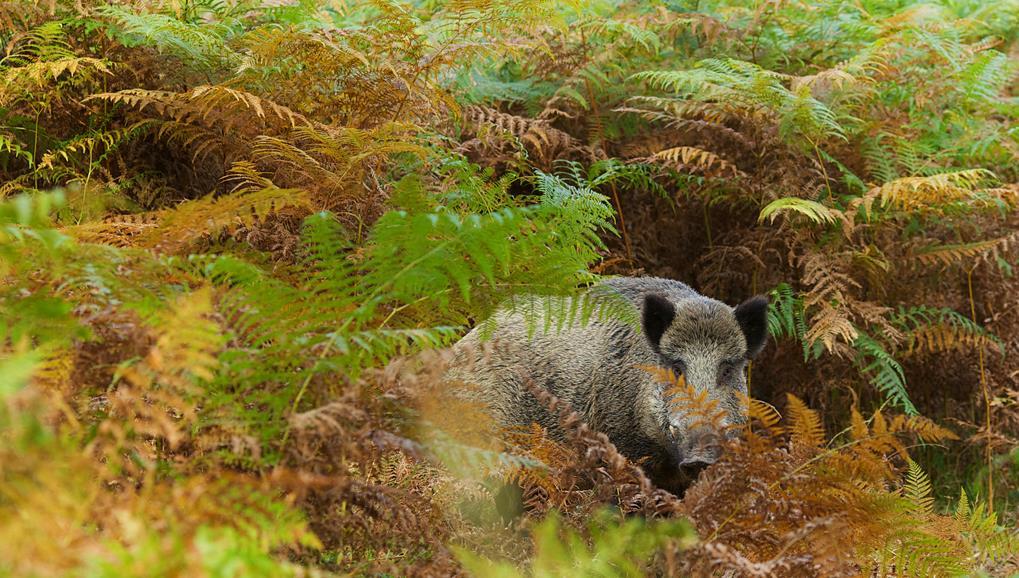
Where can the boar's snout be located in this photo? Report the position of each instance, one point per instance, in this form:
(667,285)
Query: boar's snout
(702,448)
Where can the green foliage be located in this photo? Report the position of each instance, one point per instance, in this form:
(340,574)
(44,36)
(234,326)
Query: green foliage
(225,225)
(813,210)
(200,42)
(747,89)
(785,313)
(612,548)
(885,372)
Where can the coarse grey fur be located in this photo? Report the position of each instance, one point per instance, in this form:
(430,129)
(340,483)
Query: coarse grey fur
(599,369)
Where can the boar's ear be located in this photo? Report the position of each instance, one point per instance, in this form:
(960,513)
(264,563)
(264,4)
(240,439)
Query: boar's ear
(752,316)
(656,317)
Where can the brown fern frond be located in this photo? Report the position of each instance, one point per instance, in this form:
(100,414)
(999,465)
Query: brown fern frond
(950,254)
(923,427)
(826,275)
(208,105)
(698,407)
(940,337)
(539,136)
(831,326)
(169,230)
(631,485)
(804,423)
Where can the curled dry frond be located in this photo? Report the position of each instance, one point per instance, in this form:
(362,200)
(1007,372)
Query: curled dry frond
(538,137)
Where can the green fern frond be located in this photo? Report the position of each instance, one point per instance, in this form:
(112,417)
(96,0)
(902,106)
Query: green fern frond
(744,86)
(884,371)
(201,43)
(985,77)
(813,210)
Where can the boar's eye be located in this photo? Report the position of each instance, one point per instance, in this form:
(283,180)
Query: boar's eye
(678,367)
(729,371)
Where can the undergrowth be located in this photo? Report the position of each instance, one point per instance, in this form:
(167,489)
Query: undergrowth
(236,237)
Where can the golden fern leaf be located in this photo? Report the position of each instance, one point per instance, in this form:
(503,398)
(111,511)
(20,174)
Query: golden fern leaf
(948,254)
(54,371)
(169,230)
(858,429)
(207,105)
(879,426)
(534,441)
(15,81)
(161,101)
(920,193)
(804,423)
(764,413)
(940,337)
(212,97)
(697,407)
(962,509)
(697,160)
(883,439)
(118,231)
(917,489)
(189,339)
(924,428)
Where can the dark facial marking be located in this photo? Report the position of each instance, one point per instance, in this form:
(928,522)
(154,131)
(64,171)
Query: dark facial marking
(656,317)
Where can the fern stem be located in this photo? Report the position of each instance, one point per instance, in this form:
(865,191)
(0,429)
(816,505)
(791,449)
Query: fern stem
(987,397)
(35,147)
(622,222)
(401,308)
(824,171)
(88,179)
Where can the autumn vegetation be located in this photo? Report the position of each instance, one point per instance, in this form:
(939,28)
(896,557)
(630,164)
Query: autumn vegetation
(237,237)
